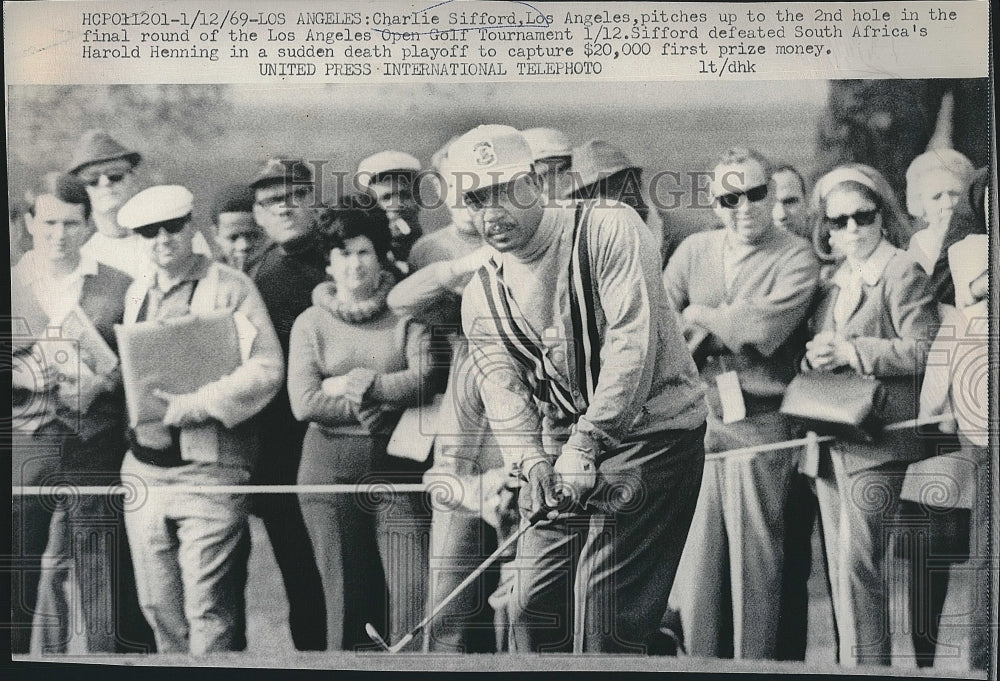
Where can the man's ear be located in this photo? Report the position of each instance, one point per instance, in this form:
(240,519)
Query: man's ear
(29,223)
(535,179)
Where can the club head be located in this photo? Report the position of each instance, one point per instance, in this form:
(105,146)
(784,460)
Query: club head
(376,637)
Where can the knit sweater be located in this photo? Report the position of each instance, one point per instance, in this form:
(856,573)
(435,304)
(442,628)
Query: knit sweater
(324,345)
(773,284)
(647,379)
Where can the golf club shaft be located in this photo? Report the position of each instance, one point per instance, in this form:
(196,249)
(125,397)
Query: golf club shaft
(466,582)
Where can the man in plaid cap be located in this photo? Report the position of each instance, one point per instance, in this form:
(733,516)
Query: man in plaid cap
(592,396)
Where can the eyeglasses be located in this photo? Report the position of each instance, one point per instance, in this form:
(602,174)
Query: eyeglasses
(113,178)
(170,227)
(732,200)
(280,199)
(862,218)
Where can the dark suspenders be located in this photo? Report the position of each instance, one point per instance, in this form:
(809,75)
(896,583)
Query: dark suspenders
(586,338)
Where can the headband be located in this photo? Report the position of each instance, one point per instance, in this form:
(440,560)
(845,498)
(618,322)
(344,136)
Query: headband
(843,174)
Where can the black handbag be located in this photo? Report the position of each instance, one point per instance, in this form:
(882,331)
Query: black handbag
(845,405)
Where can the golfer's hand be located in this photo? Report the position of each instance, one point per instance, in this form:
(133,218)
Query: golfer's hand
(539,495)
(577,471)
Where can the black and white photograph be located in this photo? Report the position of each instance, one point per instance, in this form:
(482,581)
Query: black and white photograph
(500,373)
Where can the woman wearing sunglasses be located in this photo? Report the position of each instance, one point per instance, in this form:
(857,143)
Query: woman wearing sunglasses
(871,319)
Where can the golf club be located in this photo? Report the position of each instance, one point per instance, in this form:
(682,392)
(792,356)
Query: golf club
(511,540)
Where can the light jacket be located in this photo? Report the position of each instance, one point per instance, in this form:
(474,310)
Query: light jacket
(891,328)
(234,399)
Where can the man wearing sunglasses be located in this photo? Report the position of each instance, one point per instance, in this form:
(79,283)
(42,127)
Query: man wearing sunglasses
(743,292)
(191,550)
(290,268)
(592,396)
(108,170)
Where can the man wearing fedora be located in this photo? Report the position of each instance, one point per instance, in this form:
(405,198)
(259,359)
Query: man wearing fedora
(284,205)
(190,550)
(602,170)
(108,170)
(592,395)
(552,155)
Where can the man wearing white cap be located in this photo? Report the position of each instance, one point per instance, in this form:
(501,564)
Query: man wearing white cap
(591,393)
(191,549)
(552,155)
(391,179)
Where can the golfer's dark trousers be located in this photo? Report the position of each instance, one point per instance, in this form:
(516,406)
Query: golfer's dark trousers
(598,580)
(801,509)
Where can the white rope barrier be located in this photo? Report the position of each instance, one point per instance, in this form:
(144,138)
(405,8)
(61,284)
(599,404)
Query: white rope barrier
(749,452)
(376,488)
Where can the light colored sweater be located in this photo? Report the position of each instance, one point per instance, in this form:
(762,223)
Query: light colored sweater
(647,381)
(324,345)
(773,284)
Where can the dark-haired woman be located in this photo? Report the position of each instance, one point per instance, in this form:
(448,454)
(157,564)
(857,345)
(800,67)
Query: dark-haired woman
(354,366)
(873,319)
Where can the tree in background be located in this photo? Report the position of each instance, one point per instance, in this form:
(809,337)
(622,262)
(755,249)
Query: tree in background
(170,125)
(888,123)
(45,122)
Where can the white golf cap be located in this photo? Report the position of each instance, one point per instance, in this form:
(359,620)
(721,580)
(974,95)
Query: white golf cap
(493,154)
(384,162)
(156,204)
(547,142)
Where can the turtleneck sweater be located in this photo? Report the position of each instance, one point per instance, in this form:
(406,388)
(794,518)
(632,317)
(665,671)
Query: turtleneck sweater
(647,381)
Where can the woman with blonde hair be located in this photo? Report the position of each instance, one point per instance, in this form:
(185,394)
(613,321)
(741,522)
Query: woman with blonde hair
(873,317)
